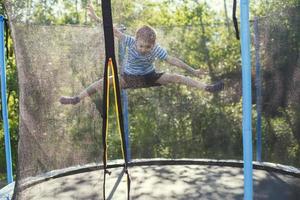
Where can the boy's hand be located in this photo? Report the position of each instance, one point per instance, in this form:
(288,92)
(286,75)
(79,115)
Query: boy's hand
(198,72)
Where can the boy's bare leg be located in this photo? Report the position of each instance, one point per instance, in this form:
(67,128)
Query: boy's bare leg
(89,91)
(167,78)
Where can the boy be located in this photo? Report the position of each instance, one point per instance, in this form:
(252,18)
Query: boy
(139,70)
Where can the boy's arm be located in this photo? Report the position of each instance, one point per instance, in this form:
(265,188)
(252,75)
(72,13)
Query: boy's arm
(118,33)
(93,15)
(175,61)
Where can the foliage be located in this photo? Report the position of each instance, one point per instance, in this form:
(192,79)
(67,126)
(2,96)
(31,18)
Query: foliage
(12,101)
(280,42)
(263,8)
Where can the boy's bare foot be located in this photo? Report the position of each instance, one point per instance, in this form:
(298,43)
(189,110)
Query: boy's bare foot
(216,87)
(69,100)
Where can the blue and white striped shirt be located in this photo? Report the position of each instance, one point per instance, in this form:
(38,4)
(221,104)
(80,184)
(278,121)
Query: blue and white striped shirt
(137,64)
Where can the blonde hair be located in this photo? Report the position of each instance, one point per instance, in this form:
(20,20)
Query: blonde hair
(147,34)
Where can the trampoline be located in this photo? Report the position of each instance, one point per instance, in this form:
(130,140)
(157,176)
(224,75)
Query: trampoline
(167,179)
(164,131)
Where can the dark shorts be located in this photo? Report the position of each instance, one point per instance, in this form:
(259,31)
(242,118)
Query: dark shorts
(141,81)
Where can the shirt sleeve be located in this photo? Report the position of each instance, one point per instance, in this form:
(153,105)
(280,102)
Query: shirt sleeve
(160,52)
(128,40)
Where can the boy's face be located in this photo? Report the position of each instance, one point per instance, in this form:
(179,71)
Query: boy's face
(143,47)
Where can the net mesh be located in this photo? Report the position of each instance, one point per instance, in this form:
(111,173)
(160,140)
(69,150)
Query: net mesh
(279,53)
(50,62)
(55,60)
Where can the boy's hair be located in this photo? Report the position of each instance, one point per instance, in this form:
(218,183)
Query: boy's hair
(146,33)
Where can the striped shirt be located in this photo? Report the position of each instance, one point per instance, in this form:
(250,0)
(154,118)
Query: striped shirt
(137,64)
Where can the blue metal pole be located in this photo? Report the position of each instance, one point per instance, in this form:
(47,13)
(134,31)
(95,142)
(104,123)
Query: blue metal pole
(247,121)
(4,106)
(126,122)
(258,91)
(124,95)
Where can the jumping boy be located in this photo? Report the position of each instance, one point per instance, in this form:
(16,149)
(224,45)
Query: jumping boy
(139,70)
